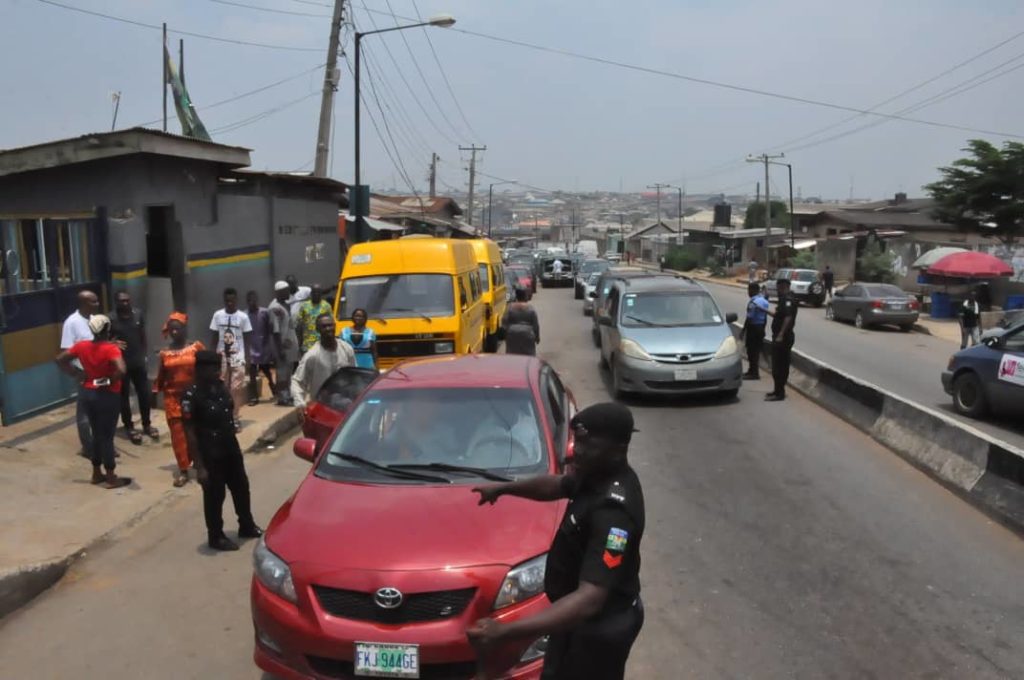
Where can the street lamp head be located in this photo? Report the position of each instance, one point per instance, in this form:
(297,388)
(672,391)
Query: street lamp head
(442,20)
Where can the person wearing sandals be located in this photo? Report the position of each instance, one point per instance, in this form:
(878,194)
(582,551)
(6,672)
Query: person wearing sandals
(231,334)
(102,368)
(128,330)
(362,339)
(261,349)
(176,373)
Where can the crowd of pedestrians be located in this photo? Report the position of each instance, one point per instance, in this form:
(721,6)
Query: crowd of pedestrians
(291,343)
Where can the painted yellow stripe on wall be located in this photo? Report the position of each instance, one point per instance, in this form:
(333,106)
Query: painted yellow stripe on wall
(125,276)
(31,347)
(231,259)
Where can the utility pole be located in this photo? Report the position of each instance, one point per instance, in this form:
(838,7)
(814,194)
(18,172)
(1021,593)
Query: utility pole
(766,159)
(434,158)
(659,186)
(181,60)
(163,60)
(472,176)
(331,74)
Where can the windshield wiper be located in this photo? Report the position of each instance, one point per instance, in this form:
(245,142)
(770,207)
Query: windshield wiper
(445,467)
(406,309)
(646,322)
(389,469)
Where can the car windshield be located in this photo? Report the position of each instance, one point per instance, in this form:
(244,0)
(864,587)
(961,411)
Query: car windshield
(398,295)
(669,309)
(883,291)
(805,276)
(519,271)
(593,279)
(497,430)
(344,387)
(591,266)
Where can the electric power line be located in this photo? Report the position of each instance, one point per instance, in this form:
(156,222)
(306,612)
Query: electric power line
(257,117)
(269,9)
(191,34)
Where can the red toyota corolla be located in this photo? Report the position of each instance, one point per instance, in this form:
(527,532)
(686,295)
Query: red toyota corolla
(382,558)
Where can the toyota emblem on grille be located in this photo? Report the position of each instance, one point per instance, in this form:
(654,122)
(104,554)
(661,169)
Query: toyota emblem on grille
(388,598)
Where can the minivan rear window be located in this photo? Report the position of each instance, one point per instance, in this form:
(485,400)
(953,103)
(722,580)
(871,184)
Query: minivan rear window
(667,310)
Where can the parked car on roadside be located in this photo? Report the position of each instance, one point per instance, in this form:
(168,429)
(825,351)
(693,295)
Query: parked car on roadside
(589,287)
(666,335)
(989,377)
(804,285)
(586,268)
(382,558)
(874,304)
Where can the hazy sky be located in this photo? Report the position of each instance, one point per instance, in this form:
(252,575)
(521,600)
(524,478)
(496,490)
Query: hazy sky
(547,119)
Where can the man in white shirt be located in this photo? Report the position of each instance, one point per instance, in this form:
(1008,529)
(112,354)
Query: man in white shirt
(557,266)
(296,294)
(320,362)
(231,333)
(286,343)
(76,328)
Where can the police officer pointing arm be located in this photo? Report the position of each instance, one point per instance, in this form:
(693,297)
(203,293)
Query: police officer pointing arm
(593,567)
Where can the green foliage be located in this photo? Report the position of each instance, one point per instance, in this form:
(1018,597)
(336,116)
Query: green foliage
(716,266)
(804,260)
(755,215)
(875,264)
(681,259)
(985,191)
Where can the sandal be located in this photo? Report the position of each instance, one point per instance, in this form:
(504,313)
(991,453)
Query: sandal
(152,432)
(135,436)
(181,479)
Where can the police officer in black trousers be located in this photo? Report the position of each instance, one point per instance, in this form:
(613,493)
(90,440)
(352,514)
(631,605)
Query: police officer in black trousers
(593,567)
(782,340)
(207,409)
(753,330)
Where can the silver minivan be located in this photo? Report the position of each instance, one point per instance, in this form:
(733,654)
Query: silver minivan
(663,335)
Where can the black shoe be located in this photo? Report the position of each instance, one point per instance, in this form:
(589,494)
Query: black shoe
(251,531)
(222,543)
(774,397)
(751,376)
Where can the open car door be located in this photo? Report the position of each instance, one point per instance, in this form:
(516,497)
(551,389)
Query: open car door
(334,400)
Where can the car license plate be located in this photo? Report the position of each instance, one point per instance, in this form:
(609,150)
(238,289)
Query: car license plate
(381,660)
(683,374)
(899,306)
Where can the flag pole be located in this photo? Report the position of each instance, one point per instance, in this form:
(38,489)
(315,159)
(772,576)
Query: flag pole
(181,60)
(163,60)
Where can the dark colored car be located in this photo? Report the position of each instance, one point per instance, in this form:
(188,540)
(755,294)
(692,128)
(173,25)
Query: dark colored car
(524,276)
(583,272)
(334,400)
(874,304)
(989,376)
(551,275)
(382,558)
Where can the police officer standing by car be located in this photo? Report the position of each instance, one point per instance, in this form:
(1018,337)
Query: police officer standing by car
(592,575)
(207,408)
(753,330)
(782,339)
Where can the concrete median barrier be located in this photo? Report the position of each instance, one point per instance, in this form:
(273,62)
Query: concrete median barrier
(986,471)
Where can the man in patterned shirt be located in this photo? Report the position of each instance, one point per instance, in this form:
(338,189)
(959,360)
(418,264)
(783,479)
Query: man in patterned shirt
(305,319)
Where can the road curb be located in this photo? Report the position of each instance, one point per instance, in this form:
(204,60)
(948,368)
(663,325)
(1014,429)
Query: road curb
(987,472)
(21,585)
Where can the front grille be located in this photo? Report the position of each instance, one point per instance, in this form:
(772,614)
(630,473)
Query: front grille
(681,384)
(415,608)
(682,358)
(411,348)
(345,670)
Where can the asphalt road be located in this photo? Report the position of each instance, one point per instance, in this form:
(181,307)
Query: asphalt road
(781,543)
(907,364)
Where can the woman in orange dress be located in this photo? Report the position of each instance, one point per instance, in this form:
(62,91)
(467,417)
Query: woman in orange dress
(175,375)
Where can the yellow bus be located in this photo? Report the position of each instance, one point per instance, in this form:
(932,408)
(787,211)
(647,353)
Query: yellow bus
(423,296)
(492,278)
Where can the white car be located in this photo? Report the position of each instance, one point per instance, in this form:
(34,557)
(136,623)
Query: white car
(613,256)
(589,287)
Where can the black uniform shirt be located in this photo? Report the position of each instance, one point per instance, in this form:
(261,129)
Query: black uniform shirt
(210,409)
(786,307)
(599,540)
(133,331)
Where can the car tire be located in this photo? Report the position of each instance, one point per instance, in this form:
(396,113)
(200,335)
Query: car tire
(579,294)
(859,322)
(730,395)
(603,362)
(490,344)
(969,395)
(617,391)
(596,336)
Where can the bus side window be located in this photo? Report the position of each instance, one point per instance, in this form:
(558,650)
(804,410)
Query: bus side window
(462,294)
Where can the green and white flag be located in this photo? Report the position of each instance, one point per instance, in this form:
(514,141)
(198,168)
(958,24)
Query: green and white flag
(191,126)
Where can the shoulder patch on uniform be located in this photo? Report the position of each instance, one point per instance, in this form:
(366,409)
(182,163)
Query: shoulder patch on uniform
(617,539)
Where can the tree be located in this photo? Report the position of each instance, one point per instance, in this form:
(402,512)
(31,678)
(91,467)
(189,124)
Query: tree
(984,192)
(755,215)
(875,263)
(804,260)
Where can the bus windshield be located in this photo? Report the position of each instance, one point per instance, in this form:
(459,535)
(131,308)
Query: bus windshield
(398,295)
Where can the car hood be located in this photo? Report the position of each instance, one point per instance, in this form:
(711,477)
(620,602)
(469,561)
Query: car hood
(408,527)
(681,340)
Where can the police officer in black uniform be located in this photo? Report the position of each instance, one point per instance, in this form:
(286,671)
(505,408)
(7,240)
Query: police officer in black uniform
(782,339)
(593,567)
(207,409)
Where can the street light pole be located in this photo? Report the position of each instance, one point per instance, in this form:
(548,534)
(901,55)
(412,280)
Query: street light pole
(443,21)
(792,223)
(490,200)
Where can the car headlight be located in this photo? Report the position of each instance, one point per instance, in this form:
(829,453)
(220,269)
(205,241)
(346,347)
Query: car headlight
(522,582)
(727,348)
(444,347)
(272,571)
(633,350)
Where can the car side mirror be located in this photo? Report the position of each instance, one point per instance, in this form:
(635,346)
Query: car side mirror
(731,317)
(305,449)
(605,321)
(992,343)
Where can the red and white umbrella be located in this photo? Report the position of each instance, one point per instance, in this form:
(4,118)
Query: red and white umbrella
(970,265)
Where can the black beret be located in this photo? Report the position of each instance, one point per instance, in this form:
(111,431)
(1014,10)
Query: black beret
(609,419)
